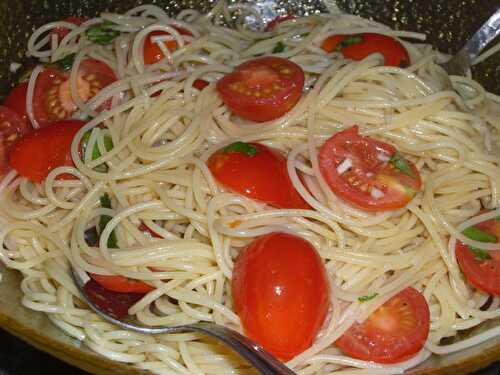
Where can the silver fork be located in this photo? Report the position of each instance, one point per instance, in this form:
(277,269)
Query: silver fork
(460,63)
(264,362)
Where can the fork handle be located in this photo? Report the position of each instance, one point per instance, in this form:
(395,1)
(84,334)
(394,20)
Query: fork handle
(252,352)
(482,37)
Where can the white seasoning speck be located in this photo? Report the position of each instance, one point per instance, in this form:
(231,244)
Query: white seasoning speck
(14,67)
(376,193)
(344,166)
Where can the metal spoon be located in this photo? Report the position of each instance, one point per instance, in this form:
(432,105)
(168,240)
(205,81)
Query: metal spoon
(460,63)
(264,362)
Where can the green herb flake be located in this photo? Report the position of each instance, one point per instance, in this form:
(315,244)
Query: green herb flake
(105,219)
(108,144)
(280,47)
(367,298)
(480,254)
(66,62)
(399,162)
(348,41)
(476,234)
(242,148)
(102,33)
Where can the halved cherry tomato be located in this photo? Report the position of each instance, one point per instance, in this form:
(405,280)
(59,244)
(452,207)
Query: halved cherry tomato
(61,32)
(16,100)
(359,46)
(482,267)
(12,127)
(42,150)
(271,25)
(257,172)
(121,284)
(395,332)
(114,303)
(262,89)
(281,293)
(368,173)
(152,52)
(52,100)
(200,84)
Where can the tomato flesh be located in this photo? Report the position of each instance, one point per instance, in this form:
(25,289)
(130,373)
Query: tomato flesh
(281,293)
(152,52)
(395,332)
(261,175)
(12,127)
(262,89)
(44,149)
(482,273)
(373,182)
(52,99)
(121,284)
(359,46)
(61,32)
(114,303)
(16,100)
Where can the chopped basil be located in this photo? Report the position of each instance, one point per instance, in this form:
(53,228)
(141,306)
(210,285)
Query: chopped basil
(105,219)
(242,148)
(348,41)
(280,47)
(108,144)
(66,62)
(399,162)
(367,298)
(480,254)
(102,33)
(476,234)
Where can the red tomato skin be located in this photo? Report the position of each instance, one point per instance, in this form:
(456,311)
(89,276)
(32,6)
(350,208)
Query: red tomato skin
(48,89)
(263,177)
(275,22)
(121,284)
(349,143)
(152,52)
(369,344)
(393,51)
(42,150)
(63,31)
(144,228)
(263,108)
(12,127)
(16,100)
(200,84)
(281,293)
(482,274)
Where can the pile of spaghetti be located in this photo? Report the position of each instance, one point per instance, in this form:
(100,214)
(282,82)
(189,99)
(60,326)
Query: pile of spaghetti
(143,208)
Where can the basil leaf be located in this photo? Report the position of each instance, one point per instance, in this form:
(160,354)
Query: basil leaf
(101,33)
(367,298)
(66,62)
(105,219)
(480,254)
(242,148)
(108,144)
(348,41)
(280,47)
(399,162)
(476,234)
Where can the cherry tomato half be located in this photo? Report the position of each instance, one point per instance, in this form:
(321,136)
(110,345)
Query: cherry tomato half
(42,150)
(281,293)
(482,267)
(16,100)
(395,332)
(152,52)
(368,173)
(262,89)
(257,172)
(53,101)
(121,284)
(12,127)
(359,46)
(272,25)
(61,32)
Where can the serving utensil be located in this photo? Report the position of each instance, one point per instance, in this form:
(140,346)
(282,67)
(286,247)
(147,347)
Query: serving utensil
(264,362)
(461,62)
